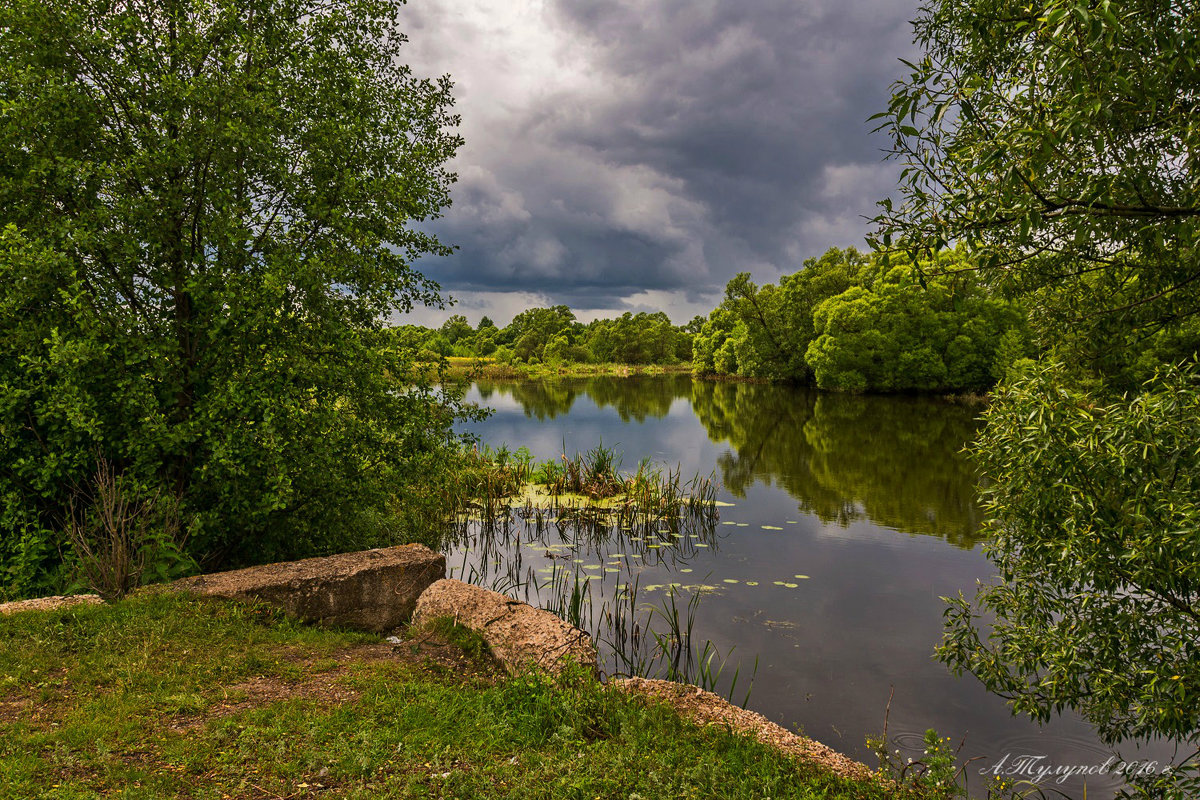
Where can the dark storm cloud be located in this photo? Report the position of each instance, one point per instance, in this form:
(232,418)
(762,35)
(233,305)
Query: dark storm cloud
(618,148)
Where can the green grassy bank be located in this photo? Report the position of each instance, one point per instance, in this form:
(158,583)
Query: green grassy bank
(165,696)
(462,367)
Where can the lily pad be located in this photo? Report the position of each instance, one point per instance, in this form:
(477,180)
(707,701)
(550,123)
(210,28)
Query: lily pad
(752,583)
(802,577)
(729,580)
(771,528)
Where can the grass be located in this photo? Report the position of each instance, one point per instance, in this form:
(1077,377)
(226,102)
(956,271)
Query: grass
(165,696)
(472,645)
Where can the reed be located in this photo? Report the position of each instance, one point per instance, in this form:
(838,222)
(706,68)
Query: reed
(587,503)
(661,643)
(587,489)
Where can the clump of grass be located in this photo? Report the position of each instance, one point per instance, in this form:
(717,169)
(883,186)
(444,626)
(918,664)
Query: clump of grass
(586,490)
(594,474)
(483,480)
(468,641)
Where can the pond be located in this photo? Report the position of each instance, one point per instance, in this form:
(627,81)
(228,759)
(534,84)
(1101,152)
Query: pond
(847,519)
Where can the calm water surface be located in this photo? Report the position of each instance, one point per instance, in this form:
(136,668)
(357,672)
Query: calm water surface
(867,498)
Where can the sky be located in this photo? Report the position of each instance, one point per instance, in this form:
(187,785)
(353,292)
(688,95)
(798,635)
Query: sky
(634,155)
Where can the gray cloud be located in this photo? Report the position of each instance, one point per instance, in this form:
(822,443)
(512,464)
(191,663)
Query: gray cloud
(625,151)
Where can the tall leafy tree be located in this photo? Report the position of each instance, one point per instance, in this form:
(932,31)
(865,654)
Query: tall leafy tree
(895,335)
(1060,140)
(206,211)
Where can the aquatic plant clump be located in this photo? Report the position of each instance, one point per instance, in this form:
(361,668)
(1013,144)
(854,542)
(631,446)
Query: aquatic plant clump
(589,488)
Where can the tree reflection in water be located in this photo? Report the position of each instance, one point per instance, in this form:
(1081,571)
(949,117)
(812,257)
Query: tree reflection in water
(893,460)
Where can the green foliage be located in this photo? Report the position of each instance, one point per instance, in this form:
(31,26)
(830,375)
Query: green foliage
(533,329)
(1093,515)
(765,332)
(897,335)
(560,350)
(1060,141)
(637,339)
(456,328)
(205,213)
(937,774)
(852,323)
(552,336)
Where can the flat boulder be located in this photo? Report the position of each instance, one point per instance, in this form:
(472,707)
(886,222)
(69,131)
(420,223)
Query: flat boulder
(706,708)
(371,590)
(519,635)
(49,603)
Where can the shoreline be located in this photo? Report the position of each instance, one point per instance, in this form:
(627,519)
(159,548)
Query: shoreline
(470,369)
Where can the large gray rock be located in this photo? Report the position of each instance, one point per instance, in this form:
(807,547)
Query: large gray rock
(372,590)
(520,636)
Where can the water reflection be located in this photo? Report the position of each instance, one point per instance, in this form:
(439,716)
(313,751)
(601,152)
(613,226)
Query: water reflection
(804,574)
(634,398)
(893,461)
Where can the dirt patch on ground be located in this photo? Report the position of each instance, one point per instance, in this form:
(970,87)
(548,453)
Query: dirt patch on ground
(706,708)
(325,679)
(320,678)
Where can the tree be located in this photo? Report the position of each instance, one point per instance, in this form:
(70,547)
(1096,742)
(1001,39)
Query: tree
(850,322)
(1092,518)
(1060,141)
(456,328)
(532,329)
(765,331)
(895,335)
(205,212)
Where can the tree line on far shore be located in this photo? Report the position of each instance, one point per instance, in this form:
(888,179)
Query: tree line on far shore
(553,335)
(846,321)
